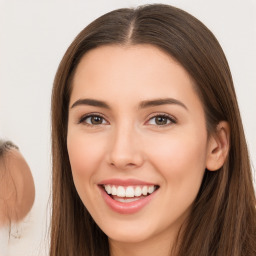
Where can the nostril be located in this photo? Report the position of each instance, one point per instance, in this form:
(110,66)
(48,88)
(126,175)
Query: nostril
(124,163)
(127,161)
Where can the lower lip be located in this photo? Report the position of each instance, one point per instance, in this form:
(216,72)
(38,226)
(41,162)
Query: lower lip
(126,208)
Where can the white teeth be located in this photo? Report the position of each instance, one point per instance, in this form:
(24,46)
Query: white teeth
(138,191)
(150,189)
(145,190)
(130,191)
(126,200)
(120,191)
(114,191)
(108,189)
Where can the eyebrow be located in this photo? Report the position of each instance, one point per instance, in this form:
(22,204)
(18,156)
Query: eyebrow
(159,102)
(142,105)
(91,102)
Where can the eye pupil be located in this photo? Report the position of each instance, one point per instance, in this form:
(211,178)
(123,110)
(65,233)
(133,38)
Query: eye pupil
(96,120)
(160,120)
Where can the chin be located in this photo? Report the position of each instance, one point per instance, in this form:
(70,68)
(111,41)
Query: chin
(129,232)
(128,237)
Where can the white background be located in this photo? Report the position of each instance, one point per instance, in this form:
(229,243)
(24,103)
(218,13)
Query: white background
(33,38)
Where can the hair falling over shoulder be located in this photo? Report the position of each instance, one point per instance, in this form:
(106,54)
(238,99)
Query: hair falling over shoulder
(223,218)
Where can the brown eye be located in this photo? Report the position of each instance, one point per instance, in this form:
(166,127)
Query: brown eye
(93,120)
(96,120)
(161,120)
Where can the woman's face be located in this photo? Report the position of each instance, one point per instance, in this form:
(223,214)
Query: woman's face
(137,130)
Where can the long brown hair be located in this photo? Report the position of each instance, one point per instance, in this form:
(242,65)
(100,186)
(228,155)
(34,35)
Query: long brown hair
(223,217)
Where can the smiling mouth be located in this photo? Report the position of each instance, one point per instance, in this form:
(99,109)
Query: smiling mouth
(127,194)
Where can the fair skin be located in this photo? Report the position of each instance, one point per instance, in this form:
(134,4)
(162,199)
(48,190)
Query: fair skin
(17,190)
(136,135)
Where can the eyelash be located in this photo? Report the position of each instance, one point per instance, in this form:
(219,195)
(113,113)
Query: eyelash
(163,115)
(168,117)
(82,120)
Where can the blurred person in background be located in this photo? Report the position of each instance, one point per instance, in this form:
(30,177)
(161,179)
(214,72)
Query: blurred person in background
(17,190)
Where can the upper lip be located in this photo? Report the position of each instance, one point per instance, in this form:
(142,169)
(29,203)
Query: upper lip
(126,182)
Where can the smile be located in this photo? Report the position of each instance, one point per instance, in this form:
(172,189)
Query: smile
(127,199)
(120,192)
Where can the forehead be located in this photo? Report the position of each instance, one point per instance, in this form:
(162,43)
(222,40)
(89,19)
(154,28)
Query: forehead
(134,71)
(114,61)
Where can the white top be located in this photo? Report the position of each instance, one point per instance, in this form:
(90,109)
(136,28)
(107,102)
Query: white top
(4,238)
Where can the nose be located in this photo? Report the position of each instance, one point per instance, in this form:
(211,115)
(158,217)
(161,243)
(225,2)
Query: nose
(125,151)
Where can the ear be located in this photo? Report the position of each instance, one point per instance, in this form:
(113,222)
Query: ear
(218,147)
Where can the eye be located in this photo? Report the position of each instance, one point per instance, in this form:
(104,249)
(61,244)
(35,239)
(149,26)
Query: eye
(161,120)
(93,120)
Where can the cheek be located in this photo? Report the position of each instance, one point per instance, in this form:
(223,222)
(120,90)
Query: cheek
(84,156)
(180,158)
(181,162)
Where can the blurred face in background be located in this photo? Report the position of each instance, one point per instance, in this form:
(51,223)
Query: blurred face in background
(17,190)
